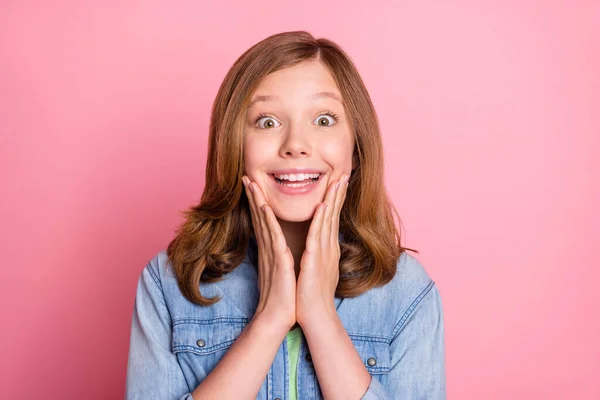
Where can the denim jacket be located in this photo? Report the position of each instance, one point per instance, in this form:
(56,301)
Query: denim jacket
(396,329)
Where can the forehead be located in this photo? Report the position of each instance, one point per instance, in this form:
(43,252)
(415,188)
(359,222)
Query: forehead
(307,81)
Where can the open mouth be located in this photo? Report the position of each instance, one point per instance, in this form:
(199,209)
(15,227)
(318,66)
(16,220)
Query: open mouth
(297,183)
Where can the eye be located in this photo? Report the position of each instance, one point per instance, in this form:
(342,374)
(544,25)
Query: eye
(269,121)
(323,121)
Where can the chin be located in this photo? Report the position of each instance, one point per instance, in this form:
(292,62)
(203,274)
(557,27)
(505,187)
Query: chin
(302,214)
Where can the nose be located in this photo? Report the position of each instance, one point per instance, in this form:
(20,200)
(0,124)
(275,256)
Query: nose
(295,144)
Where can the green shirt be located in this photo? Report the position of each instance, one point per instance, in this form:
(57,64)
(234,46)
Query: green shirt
(294,338)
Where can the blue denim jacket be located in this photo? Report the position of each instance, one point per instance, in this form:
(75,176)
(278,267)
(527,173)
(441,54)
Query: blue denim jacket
(396,329)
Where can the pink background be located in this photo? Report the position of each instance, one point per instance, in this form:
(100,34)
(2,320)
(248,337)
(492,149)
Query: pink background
(490,113)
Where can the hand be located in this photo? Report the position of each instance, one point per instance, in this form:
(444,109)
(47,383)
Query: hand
(319,266)
(276,275)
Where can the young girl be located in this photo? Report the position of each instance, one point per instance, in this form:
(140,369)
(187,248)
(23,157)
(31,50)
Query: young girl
(288,280)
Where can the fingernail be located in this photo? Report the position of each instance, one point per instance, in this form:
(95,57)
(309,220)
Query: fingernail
(251,187)
(346,178)
(337,185)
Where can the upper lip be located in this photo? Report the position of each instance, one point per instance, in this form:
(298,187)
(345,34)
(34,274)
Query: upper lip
(291,171)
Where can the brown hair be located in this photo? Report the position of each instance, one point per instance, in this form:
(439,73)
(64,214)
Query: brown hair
(214,238)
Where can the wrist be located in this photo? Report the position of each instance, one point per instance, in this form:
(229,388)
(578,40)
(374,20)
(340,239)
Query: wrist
(318,316)
(271,322)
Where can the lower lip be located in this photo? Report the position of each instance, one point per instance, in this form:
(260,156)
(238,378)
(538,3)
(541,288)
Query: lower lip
(296,190)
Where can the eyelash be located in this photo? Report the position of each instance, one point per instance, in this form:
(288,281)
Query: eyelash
(330,113)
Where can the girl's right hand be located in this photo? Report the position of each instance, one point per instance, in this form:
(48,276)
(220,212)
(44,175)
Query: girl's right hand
(276,275)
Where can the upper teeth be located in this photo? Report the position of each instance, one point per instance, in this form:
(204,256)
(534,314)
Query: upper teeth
(297,177)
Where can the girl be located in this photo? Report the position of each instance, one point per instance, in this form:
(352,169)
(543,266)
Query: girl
(288,280)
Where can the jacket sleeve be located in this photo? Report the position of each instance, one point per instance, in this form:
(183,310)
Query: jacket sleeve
(417,353)
(153,371)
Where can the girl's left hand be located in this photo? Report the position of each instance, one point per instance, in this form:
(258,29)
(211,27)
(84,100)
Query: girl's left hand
(319,266)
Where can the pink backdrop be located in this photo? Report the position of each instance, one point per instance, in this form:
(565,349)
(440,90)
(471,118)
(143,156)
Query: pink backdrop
(491,123)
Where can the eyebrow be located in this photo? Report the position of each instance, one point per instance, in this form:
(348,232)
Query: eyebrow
(314,96)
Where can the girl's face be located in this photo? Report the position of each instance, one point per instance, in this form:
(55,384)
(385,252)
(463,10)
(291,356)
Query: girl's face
(296,123)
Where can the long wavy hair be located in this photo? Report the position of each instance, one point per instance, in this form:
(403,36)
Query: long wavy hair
(214,238)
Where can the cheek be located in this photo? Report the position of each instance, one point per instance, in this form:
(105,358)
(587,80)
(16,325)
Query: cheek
(251,157)
(337,153)
(257,155)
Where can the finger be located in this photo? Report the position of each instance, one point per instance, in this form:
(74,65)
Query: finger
(325,231)
(277,237)
(254,212)
(260,201)
(262,279)
(312,239)
(339,202)
(250,196)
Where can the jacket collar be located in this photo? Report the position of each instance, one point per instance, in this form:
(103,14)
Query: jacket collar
(240,286)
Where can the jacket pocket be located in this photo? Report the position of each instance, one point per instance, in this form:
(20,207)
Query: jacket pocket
(201,344)
(205,337)
(374,352)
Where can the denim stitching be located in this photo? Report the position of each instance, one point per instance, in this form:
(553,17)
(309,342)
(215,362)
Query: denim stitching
(411,308)
(154,276)
(209,350)
(286,371)
(157,283)
(225,294)
(369,338)
(233,323)
(210,321)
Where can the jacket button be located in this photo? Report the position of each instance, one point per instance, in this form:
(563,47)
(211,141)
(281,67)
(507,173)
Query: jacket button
(371,361)
(201,343)
(277,398)
(308,357)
